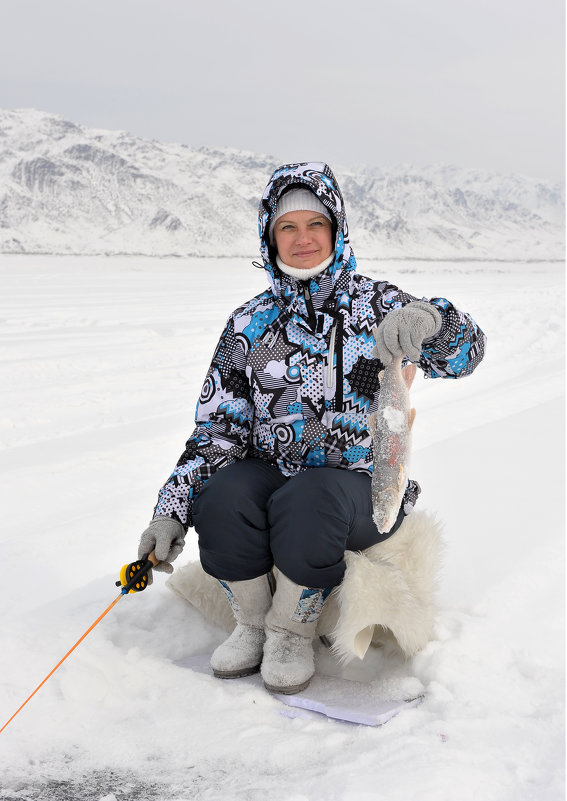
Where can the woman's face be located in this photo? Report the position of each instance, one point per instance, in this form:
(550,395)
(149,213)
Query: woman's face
(303,238)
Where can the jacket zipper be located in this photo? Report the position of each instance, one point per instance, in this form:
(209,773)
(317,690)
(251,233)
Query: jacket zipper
(331,357)
(339,391)
(336,342)
(337,329)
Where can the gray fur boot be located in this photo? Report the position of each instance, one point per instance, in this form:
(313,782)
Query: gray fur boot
(241,654)
(288,663)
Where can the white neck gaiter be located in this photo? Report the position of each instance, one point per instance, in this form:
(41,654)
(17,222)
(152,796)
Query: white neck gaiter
(302,273)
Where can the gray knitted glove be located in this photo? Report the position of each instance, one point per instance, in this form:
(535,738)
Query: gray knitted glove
(403,331)
(166,537)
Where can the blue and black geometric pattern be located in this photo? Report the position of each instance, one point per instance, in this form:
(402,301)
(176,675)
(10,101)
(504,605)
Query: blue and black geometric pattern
(293,380)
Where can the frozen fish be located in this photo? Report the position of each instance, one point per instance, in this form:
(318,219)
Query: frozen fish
(390,427)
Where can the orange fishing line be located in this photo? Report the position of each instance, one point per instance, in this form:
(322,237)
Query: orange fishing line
(88,631)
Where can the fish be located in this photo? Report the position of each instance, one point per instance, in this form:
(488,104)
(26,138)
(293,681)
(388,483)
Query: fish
(390,427)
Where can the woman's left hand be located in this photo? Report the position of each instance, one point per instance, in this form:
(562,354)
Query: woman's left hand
(403,331)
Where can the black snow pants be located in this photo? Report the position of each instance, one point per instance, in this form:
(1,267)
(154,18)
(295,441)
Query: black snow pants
(249,517)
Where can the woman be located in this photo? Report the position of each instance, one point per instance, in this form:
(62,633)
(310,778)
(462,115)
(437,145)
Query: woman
(277,471)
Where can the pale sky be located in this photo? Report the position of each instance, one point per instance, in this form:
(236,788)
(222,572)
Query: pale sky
(476,83)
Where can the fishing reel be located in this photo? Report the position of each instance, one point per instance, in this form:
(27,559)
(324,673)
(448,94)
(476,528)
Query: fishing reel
(134,577)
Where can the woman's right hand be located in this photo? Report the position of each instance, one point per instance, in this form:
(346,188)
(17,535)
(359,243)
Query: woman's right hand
(166,537)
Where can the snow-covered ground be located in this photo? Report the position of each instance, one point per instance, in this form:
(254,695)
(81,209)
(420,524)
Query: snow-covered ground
(101,364)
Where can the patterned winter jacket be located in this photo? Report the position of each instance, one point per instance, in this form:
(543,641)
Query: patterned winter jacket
(293,380)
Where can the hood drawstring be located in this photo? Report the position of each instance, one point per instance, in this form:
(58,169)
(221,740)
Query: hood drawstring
(311,316)
(271,338)
(272,332)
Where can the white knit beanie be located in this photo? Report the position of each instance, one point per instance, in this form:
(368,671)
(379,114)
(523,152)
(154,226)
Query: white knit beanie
(298,200)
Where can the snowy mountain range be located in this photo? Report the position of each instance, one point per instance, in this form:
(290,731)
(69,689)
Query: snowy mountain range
(69,189)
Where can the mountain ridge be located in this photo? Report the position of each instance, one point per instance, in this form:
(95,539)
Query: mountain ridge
(69,189)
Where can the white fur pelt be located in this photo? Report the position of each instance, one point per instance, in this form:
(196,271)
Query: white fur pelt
(388,591)
(203,592)
(387,594)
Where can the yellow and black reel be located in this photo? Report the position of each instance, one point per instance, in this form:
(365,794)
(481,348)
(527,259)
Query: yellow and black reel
(134,577)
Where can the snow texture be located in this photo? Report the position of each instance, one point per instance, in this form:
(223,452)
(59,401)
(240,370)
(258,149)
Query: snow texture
(102,362)
(342,699)
(71,189)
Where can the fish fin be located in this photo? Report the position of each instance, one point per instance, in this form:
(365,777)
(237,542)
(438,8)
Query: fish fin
(408,374)
(375,335)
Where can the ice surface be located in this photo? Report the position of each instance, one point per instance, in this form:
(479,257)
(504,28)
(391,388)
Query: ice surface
(102,362)
(341,699)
